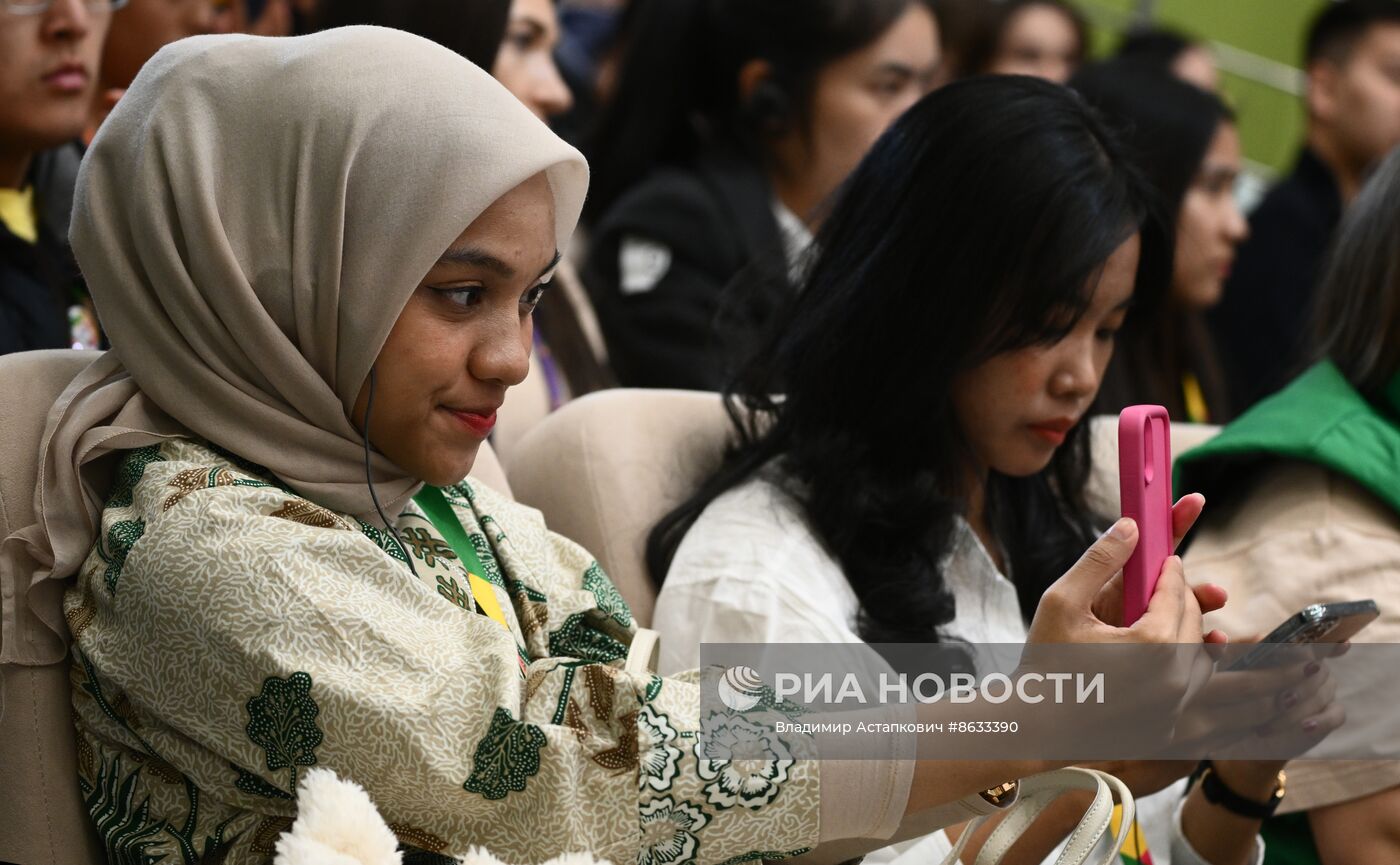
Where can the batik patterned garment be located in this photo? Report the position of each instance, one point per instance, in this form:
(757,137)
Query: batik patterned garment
(229,634)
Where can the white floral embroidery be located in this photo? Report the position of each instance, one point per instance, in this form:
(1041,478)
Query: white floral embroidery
(668,832)
(745,763)
(659,759)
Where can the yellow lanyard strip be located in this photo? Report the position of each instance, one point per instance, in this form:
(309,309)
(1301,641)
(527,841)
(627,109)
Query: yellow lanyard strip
(444,519)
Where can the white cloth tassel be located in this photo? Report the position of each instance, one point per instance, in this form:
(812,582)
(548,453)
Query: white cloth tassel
(337,824)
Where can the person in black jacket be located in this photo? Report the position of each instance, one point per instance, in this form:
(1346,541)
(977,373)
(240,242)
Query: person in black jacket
(1353,103)
(733,124)
(49,54)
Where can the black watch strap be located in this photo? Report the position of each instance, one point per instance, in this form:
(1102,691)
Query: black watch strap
(1218,793)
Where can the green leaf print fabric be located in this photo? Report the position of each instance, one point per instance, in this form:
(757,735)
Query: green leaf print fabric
(244,634)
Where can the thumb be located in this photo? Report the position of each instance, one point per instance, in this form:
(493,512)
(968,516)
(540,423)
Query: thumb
(1082,583)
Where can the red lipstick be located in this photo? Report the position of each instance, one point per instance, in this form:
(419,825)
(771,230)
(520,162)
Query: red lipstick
(1053,431)
(479,424)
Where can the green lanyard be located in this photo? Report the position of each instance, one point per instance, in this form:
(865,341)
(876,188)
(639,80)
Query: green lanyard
(444,519)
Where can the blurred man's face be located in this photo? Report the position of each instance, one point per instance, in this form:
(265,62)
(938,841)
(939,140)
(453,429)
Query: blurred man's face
(143,27)
(1360,99)
(48,74)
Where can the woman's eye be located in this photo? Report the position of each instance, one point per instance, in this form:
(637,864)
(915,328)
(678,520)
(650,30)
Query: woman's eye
(890,86)
(522,40)
(1106,334)
(464,296)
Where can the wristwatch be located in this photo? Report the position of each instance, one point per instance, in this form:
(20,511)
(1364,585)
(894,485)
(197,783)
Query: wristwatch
(1001,792)
(1217,793)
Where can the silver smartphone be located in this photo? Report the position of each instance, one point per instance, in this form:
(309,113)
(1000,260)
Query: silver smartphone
(1319,623)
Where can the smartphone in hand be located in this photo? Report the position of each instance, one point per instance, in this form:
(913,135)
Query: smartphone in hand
(1318,623)
(1145,479)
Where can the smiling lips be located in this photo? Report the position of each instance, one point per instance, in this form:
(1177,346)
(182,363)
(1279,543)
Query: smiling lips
(1053,431)
(68,78)
(478,422)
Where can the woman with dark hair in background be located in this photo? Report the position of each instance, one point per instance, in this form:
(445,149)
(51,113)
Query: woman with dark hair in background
(1186,142)
(1305,489)
(922,478)
(1171,52)
(525,62)
(1044,38)
(732,123)
(514,39)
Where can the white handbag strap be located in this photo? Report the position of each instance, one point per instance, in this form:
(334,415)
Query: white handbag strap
(1035,795)
(643,654)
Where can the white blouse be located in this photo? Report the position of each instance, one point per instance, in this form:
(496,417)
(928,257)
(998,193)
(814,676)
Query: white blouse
(751,571)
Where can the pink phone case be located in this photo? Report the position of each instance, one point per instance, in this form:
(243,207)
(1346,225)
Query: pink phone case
(1145,478)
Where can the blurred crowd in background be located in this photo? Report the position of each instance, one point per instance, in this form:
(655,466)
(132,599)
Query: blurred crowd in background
(718,132)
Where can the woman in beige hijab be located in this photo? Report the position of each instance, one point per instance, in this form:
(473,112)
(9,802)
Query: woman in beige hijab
(291,241)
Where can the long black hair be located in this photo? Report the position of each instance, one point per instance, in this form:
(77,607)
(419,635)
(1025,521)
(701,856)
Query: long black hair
(976,225)
(678,89)
(1168,125)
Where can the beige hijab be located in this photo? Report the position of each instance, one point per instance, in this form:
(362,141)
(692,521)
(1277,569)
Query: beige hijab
(251,220)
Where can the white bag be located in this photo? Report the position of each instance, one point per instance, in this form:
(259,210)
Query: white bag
(1036,793)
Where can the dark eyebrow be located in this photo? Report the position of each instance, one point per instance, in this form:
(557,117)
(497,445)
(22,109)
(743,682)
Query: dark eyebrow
(903,70)
(473,256)
(536,26)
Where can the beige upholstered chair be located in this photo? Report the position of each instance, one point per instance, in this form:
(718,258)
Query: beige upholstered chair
(606,467)
(42,819)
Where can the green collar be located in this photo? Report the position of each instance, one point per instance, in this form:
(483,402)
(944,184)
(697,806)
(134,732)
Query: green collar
(1319,418)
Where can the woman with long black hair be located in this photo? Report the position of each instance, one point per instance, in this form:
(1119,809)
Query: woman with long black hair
(733,123)
(1185,141)
(921,479)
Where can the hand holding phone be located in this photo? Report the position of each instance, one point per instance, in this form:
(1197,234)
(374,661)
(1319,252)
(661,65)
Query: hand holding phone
(1318,623)
(1145,493)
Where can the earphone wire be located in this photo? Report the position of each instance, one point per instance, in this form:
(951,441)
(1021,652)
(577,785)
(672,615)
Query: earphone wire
(374,497)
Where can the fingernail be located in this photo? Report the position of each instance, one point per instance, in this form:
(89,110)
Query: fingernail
(1122,530)
(1311,669)
(1290,699)
(1310,725)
